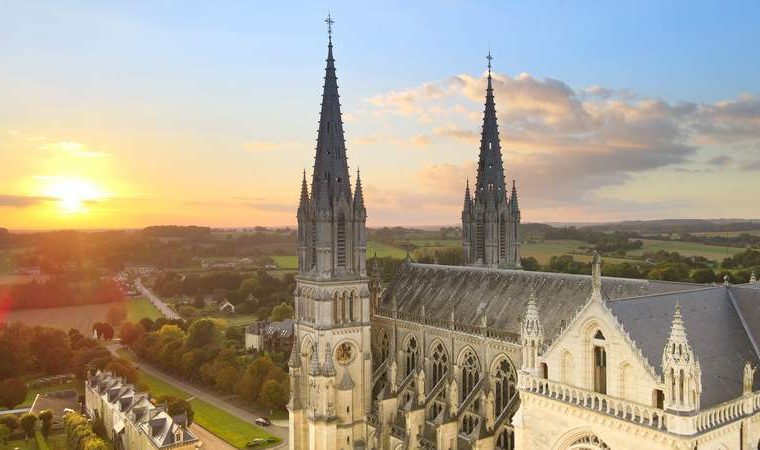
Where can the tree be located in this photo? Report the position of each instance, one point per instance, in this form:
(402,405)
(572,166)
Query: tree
(530,263)
(177,407)
(123,368)
(260,370)
(274,394)
(281,312)
(116,314)
(12,392)
(130,333)
(10,421)
(103,330)
(147,324)
(46,419)
(703,276)
(28,421)
(5,434)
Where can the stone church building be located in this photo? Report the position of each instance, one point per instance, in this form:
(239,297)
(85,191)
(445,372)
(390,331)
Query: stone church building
(487,356)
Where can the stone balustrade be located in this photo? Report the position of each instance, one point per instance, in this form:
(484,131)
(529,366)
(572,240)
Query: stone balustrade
(727,412)
(622,409)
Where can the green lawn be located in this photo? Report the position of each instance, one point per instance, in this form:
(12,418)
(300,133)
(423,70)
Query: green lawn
(711,252)
(228,427)
(727,233)
(239,320)
(286,261)
(139,308)
(382,250)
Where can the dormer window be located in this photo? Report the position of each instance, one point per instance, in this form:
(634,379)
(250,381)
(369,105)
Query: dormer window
(178,436)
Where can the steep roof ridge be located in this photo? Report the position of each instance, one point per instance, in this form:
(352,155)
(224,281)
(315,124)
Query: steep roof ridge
(744,323)
(660,294)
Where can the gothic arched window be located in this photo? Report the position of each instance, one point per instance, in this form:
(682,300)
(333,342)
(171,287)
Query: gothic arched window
(505,382)
(588,442)
(384,346)
(351,301)
(336,308)
(440,363)
(412,351)
(313,244)
(470,373)
(503,236)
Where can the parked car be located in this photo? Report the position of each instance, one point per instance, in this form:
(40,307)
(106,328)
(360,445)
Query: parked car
(263,421)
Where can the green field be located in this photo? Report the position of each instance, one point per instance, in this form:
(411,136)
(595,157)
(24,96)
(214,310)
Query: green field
(727,233)
(138,308)
(711,252)
(80,317)
(382,250)
(228,427)
(239,320)
(286,261)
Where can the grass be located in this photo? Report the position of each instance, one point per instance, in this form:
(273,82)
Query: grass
(727,233)
(712,252)
(239,320)
(382,250)
(236,431)
(141,307)
(286,261)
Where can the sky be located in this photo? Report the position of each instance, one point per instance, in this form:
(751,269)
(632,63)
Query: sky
(129,114)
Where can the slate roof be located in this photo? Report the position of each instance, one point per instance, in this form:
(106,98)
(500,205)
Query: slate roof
(721,342)
(501,294)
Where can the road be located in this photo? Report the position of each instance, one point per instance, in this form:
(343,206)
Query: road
(209,397)
(156,300)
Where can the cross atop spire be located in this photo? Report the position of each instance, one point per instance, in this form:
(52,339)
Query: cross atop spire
(329,21)
(489,58)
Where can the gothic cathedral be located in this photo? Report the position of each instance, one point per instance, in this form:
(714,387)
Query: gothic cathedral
(330,364)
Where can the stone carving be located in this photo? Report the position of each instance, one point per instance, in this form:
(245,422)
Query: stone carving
(749,375)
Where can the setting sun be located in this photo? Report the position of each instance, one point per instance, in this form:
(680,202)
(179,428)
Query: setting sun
(72,194)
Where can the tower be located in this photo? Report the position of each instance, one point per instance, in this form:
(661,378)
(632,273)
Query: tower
(332,293)
(491,220)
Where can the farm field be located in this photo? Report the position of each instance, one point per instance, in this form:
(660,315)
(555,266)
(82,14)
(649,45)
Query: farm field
(727,233)
(711,252)
(80,317)
(382,250)
(228,427)
(286,261)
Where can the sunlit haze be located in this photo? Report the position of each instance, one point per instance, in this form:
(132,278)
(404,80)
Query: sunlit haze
(129,114)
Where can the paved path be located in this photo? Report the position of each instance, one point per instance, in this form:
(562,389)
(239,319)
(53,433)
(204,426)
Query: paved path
(156,300)
(209,397)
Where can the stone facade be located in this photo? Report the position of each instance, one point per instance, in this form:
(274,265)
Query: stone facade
(486,356)
(131,420)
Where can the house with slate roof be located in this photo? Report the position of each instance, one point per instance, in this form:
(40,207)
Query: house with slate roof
(131,420)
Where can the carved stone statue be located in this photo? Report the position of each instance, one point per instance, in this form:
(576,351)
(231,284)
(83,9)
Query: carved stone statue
(453,397)
(749,375)
(392,375)
(490,415)
(421,386)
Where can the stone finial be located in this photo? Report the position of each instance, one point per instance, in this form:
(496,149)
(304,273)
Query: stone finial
(681,369)
(531,325)
(753,278)
(295,359)
(748,378)
(596,277)
(314,368)
(328,368)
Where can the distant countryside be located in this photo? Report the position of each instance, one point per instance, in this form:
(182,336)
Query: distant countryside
(167,305)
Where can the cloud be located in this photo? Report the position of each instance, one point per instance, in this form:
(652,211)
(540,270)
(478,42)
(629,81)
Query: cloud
(565,145)
(73,148)
(21,201)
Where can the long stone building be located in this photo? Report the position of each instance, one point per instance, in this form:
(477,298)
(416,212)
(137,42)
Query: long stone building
(131,420)
(487,356)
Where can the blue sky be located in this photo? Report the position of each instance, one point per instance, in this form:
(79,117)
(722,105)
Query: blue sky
(192,92)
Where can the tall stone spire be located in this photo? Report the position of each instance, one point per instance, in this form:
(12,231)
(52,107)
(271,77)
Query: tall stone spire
(359,194)
(491,220)
(490,166)
(303,203)
(330,161)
